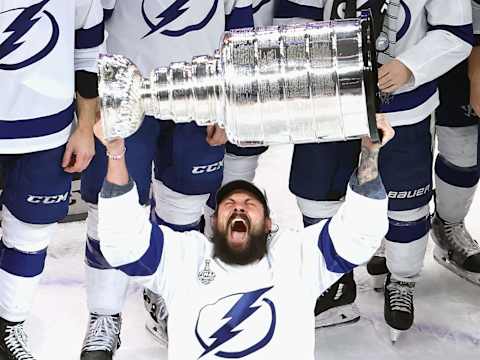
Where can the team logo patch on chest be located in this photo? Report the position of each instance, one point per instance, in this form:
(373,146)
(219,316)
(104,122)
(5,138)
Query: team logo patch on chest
(179,18)
(236,325)
(31,34)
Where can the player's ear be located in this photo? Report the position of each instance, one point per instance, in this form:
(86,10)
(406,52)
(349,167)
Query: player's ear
(268,224)
(213,219)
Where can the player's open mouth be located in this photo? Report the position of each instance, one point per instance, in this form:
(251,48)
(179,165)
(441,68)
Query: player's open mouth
(238,231)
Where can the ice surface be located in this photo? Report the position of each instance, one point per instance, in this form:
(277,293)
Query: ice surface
(447,323)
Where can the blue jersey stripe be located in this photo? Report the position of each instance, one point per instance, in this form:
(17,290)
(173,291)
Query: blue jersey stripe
(239,18)
(22,264)
(333,261)
(149,262)
(176,227)
(407,231)
(145,266)
(410,99)
(285,9)
(464,32)
(456,176)
(42,126)
(90,38)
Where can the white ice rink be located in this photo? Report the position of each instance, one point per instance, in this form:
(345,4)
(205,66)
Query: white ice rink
(447,321)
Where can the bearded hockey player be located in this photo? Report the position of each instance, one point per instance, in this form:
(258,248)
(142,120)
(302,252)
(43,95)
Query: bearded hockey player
(48,52)
(456,167)
(408,94)
(155,33)
(248,292)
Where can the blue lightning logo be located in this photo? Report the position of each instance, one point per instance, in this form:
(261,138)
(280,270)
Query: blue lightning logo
(22,24)
(172,13)
(239,312)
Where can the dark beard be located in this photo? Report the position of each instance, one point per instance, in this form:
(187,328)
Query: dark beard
(255,250)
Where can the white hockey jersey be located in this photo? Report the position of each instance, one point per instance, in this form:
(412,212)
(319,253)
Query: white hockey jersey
(263,12)
(258,311)
(42,43)
(154,33)
(432,36)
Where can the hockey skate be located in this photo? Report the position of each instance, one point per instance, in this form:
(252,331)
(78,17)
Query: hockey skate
(336,305)
(377,268)
(13,341)
(103,337)
(398,307)
(456,249)
(157,317)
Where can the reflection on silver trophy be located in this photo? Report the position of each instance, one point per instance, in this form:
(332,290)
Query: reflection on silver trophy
(287,84)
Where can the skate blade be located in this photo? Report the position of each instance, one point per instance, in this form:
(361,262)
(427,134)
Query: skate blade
(340,315)
(158,335)
(441,257)
(395,334)
(378,282)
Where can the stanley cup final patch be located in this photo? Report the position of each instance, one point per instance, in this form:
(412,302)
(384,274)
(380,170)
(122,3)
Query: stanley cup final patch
(206,276)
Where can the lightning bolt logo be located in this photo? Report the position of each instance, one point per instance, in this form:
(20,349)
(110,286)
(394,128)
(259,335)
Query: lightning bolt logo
(238,313)
(170,14)
(20,26)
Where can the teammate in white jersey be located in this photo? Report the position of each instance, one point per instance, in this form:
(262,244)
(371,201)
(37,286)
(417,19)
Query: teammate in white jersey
(248,292)
(456,167)
(48,51)
(154,33)
(408,33)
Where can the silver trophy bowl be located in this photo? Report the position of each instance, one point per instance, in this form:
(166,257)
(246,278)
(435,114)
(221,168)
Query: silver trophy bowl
(283,84)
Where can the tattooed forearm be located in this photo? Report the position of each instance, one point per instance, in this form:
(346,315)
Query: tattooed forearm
(368,168)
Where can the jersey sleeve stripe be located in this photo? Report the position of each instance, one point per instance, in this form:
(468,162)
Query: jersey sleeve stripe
(20,263)
(464,32)
(89,38)
(239,18)
(41,126)
(285,9)
(334,262)
(148,264)
(410,99)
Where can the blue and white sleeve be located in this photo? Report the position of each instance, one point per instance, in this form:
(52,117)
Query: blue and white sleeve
(351,237)
(238,14)
(298,11)
(89,34)
(129,242)
(449,40)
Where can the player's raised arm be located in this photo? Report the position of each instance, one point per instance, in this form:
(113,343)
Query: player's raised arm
(352,236)
(129,241)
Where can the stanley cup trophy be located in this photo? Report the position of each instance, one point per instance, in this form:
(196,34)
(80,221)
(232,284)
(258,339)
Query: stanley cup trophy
(304,83)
